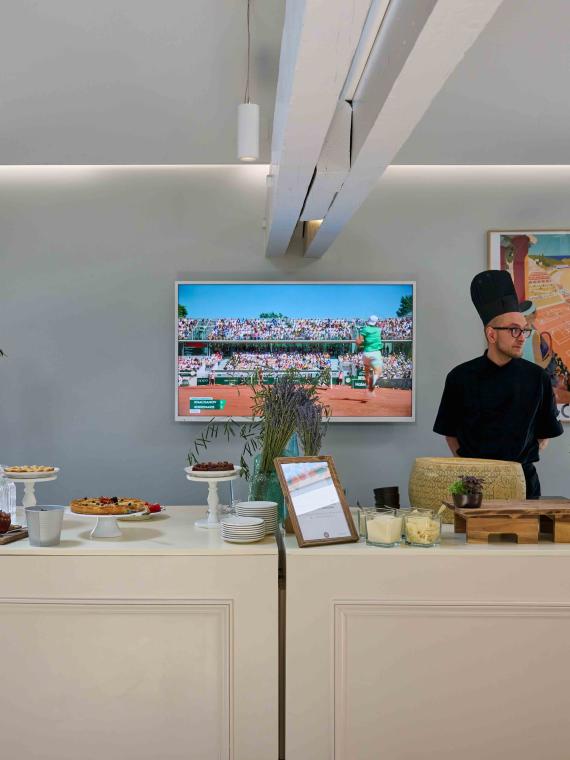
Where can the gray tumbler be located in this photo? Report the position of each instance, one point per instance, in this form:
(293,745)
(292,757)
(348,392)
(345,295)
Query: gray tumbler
(44,525)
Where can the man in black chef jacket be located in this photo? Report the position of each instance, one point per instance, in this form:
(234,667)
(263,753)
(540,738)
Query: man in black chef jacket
(499,406)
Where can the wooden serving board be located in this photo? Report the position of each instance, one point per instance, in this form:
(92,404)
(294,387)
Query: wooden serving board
(523,519)
(15,533)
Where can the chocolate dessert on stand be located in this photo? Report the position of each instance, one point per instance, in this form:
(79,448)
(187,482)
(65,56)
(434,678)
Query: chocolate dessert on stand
(213,467)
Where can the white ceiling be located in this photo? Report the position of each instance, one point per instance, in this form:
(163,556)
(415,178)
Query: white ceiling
(132,81)
(143,82)
(508,101)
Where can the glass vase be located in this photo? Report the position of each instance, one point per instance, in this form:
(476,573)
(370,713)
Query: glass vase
(265,486)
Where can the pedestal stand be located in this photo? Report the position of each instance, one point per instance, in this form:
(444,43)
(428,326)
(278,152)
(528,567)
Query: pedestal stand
(29,499)
(212,521)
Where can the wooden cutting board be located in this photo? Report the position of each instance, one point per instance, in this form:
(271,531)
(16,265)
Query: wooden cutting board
(523,519)
(15,533)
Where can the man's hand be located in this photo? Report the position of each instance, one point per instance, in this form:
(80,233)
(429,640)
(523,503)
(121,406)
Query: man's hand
(453,444)
(542,443)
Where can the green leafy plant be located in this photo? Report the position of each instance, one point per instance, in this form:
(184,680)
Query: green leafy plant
(467,484)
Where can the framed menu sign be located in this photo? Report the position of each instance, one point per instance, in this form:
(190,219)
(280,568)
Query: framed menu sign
(315,500)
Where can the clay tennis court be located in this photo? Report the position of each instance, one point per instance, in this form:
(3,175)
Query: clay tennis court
(345,401)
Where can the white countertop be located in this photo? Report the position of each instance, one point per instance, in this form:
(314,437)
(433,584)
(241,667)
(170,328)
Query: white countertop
(452,544)
(169,533)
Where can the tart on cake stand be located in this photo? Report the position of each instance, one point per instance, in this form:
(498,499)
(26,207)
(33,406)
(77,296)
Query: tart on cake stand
(107,510)
(212,478)
(29,479)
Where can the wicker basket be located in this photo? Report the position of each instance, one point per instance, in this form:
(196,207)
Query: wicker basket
(431,478)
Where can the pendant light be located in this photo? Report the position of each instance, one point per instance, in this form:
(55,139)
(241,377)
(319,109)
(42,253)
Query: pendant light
(248,113)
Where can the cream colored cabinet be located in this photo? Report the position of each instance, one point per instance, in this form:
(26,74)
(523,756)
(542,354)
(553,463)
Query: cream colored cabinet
(450,652)
(162,644)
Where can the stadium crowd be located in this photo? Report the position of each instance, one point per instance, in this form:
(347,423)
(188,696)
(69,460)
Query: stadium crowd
(186,326)
(396,328)
(281,361)
(395,366)
(284,328)
(189,363)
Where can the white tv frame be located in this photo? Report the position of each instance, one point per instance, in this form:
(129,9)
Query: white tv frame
(202,419)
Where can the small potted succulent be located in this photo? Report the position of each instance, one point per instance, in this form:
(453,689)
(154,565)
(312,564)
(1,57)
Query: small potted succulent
(467,491)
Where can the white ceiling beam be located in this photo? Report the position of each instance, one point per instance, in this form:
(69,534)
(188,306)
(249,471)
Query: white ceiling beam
(332,167)
(320,38)
(385,112)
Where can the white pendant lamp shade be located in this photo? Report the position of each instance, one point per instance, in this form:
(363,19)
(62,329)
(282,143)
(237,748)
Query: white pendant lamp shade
(248,132)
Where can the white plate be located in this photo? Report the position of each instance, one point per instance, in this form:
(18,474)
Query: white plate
(212,473)
(243,541)
(32,475)
(256,529)
(136,516)
(259,532)
(238,521)
(257,505)
(257,513)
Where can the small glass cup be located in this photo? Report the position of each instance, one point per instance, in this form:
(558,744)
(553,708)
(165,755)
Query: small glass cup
(363,514)
(422,527)
(383,527)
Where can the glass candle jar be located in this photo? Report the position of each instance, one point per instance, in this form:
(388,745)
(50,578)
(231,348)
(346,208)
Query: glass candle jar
(383,527)
(363,514)
(422,527)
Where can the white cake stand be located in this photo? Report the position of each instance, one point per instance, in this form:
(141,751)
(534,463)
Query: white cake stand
(213,520)
(29,499)
(105,527)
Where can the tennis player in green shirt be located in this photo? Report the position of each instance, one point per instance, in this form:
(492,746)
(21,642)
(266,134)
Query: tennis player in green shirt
(370,341)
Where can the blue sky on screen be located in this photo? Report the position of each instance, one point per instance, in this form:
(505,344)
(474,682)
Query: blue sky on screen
(330,301)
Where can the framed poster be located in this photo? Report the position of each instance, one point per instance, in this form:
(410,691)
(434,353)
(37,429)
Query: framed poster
(315,499)
(539,263)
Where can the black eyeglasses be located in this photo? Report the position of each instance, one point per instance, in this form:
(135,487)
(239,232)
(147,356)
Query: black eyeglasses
(516,332)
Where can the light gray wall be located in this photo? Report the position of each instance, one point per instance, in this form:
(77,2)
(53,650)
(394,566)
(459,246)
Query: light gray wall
(88,261)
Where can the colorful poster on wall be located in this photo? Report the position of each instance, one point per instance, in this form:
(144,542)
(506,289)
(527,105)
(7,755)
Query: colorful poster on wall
(539,263)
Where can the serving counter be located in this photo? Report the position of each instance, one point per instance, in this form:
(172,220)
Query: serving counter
(455,651)
(161,644)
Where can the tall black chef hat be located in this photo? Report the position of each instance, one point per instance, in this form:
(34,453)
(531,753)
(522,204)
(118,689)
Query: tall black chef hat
(493,293)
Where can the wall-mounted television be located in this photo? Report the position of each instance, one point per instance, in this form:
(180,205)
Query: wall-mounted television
(232,334)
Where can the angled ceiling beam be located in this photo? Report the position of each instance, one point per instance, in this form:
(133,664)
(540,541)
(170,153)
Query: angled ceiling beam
(320,38)
(332,167)
(418,47)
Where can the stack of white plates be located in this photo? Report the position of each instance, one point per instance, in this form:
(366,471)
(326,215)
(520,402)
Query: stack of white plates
(267,510)
(242,530)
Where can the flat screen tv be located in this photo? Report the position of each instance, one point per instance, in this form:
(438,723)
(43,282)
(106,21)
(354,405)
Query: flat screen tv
(232,334)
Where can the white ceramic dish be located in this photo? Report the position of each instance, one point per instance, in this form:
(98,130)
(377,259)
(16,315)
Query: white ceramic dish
(139,516)
(243,540)
(264,506)
(212,473)
(31,475)
(237,521)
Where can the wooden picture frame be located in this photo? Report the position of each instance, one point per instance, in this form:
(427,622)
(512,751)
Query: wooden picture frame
(335,526)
